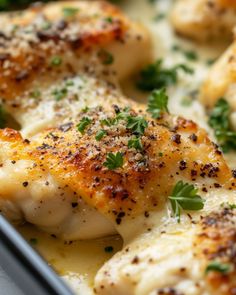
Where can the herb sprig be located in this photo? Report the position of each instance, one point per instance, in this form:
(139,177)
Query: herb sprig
(84,122)
(157,103)
(218,267)
(156,76)
(114,161)
(184,197)
(220,122)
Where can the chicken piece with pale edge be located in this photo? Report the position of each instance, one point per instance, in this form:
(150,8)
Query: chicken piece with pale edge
(204,20)
(46,46)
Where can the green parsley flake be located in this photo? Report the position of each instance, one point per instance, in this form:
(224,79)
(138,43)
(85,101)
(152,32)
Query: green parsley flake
(70,11)
(135,143)
(108,249)
(60,94)
(157,103)
(106,57)
(114,161)
(218,267)
(83,124)
(220,122)
(100,134)
(137,124)
(35,94)
(184,197)
(155,76)
(56,61)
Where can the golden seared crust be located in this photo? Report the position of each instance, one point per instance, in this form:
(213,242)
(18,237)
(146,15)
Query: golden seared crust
(217,242)
(32,39)
(204,20)
(173,149)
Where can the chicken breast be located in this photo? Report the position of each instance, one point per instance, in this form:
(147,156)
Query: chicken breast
(45,46)
(194,257)
(62,167)
(221,79)
(204,20)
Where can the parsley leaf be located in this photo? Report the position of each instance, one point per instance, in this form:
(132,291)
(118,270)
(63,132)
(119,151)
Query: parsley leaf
(70,11)
(60,94)
(184,197)
(220,122)
(3,119)
(114,161)
(137,124)
(106,57)
(157,103)
(218,267)
(155,76)
(56,61)
(83,124)
(135,143)
(100,134)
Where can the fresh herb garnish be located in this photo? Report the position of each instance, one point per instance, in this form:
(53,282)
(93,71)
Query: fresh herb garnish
(70,11)
(106,57)
(56,61)
(218,267)
(220,121)
(190,55)
(228,205)
(59,94)
(3,119)
(100,134)
(157,103)
(184,197)
(135,143)
(35,94)
(137,124)
(108,249)
(114,161)
(84,122)
(155,76)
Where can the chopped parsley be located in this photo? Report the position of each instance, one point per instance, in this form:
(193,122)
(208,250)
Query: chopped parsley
(189,54)
(155,76)
(109,19)
(70,11)
(220,122)
(114,161)
(218,267)
(157,103)
(100,134)
(159,17)
(135,143)
(184,197)
(137,124)
(60,94)
(3,119)
(83,124)
(35,94)
(56,61)
(108,249)
(228,205)
(106,57)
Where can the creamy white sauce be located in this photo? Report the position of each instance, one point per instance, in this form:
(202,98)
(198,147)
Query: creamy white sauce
(78,262)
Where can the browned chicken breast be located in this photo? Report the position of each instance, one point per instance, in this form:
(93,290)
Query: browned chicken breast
(204,20)
(43,47)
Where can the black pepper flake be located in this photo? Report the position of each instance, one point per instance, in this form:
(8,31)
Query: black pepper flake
(25,183)
(74,204)
(22,76)
(182,165)
(135,260)
(176,138)
(193,137)
(146,214)
(66,127)
(234,173)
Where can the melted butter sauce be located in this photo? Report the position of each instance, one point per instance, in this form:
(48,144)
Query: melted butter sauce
(78,262)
